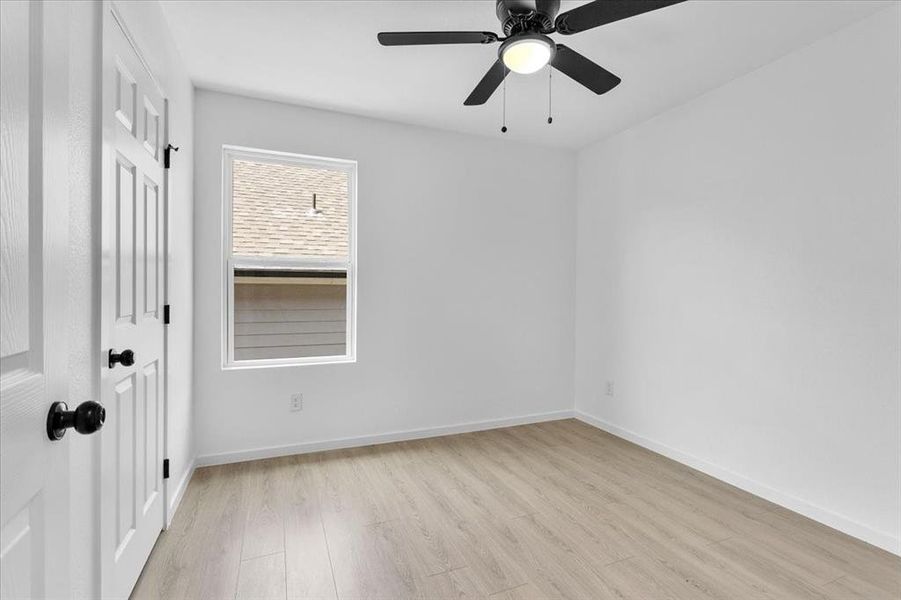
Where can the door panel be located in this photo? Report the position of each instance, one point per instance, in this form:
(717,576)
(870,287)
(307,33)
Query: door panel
(151,129)
(34,475)
(152,253)
(126,96)
(151,452)
(133,278)
(123,410)
(125,239)
(14,95)
(17,577)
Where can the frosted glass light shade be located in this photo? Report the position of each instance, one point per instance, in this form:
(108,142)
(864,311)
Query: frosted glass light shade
(527,55)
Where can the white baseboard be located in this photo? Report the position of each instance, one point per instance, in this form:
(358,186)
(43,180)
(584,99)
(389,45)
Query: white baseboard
(380,438)
(853,528)
(180,492)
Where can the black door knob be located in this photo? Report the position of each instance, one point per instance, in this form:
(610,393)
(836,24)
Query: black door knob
(126,358)
(87,418)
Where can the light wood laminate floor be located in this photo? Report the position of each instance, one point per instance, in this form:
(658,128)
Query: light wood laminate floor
(553,510)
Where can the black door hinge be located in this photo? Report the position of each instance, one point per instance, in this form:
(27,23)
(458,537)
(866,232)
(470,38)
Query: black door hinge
(167,153)
(165,314)
(165,468)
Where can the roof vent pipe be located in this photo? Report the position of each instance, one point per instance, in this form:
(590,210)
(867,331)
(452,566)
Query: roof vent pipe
(314,212)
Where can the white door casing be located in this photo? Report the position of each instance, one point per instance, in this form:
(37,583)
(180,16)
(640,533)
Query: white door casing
(133,272)
(34,124)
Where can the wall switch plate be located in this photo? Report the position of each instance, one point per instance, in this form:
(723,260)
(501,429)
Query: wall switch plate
(296,402)
(610,389)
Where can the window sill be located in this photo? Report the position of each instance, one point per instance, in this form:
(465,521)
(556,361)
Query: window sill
(288,362)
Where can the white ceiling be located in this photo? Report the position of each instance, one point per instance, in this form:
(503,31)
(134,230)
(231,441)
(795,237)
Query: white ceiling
(325,55)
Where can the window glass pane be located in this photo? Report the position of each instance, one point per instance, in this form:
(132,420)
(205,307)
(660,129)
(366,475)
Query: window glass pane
(296,317)
(273,214)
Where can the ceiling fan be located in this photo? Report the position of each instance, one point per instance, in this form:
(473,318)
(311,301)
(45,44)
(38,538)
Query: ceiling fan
(527,47)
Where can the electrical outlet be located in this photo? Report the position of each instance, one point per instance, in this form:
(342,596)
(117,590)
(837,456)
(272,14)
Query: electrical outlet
(296,402)
(611,390)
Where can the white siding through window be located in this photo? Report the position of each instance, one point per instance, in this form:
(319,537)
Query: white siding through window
(290,320)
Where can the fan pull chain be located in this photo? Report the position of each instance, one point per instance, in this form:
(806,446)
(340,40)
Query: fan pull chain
(550,119)
(504,113)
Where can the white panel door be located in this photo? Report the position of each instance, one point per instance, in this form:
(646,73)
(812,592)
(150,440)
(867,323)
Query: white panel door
(133,271)
(34,476)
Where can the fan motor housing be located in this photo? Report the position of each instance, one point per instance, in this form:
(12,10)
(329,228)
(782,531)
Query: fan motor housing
(527,16)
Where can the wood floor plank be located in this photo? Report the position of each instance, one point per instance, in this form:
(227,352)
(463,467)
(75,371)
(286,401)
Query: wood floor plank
(553,510)
(493,568)
(370,561)
(473,464)
(669,552)
(598,542)
(645,523)
(262,578)
(641,577)
(307,562)
(849,587)
(787,578)
(216,559)
(458,584)
(266,493)
(428,530)
(521,592)
(430,545)
(849,555)
(168,570)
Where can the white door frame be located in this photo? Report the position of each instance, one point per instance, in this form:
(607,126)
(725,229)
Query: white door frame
(113,19)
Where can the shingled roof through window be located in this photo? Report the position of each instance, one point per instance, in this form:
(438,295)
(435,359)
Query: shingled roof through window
(270,205)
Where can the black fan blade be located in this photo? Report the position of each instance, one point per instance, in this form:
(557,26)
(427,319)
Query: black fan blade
(419,38)
(593,76)
(493,78)
(601,12)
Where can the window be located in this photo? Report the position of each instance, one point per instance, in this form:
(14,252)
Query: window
(289,258)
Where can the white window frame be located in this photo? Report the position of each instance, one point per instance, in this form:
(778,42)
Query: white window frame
(230,262)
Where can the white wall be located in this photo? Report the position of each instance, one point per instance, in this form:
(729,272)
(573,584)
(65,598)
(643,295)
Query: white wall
(145,20)
(738,279)
(465,298)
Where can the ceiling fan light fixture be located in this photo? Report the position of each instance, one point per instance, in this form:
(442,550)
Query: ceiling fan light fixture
(528,53)
(527,49)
